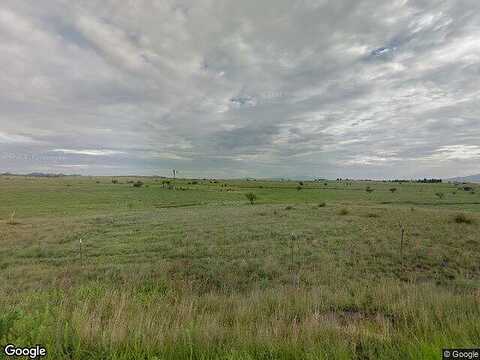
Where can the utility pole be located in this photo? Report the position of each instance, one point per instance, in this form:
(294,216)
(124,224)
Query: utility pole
(174,176)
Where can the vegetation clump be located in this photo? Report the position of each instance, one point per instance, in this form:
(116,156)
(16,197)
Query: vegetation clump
(343,211)
(11,220)
(462,219)
(138,184)
(251,197)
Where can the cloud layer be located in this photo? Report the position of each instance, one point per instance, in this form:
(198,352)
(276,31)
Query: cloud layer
(277,88)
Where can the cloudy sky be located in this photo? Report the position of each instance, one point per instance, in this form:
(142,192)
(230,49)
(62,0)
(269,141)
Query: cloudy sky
(220,88)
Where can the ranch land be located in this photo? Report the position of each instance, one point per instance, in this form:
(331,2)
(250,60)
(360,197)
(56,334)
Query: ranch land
(155,268)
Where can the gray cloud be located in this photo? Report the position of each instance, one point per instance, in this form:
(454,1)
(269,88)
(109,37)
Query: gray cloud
(221,88)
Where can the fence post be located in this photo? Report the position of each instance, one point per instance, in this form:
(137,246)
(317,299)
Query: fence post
(81,255)
(401,245)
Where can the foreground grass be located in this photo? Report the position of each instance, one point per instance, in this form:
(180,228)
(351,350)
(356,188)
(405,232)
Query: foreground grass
(387,320)
(201,274)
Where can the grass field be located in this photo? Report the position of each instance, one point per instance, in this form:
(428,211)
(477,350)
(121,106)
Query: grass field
(197,272)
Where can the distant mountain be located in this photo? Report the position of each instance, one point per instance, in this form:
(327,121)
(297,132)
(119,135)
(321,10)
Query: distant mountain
(471,178)
(37,174)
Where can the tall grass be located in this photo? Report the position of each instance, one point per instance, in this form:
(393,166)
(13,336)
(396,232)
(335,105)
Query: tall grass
(350,321)
(11,220)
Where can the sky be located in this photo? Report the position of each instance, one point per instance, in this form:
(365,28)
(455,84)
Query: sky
(230,89)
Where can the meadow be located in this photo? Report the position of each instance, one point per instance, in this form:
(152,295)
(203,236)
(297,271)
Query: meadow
(97,268)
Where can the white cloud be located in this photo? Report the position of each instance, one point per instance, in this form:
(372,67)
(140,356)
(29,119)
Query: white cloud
(90,152)
(6,138)
(457,152)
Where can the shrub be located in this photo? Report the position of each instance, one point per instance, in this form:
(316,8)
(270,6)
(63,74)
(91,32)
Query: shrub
(138,184)
(343,211)
(289,207)
(322,204)
(462,219)
(440,195)
(392,190)
(251,197)
(373,215)
(299,187)
(369,189)
(114,181)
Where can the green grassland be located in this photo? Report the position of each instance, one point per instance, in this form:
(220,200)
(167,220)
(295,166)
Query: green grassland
(197,272)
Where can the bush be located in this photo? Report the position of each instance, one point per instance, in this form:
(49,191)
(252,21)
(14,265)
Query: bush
(289,207)
(440,195)
(251,197)
(322,204)
(462,219)
(114,181)
(343,211)
(369,189)
(392,190)
(138,184)
(299,187)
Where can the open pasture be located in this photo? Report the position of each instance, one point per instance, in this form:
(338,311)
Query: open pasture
(97,268)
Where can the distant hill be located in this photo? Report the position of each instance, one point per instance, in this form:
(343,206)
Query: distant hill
(471,178)
(37,174)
